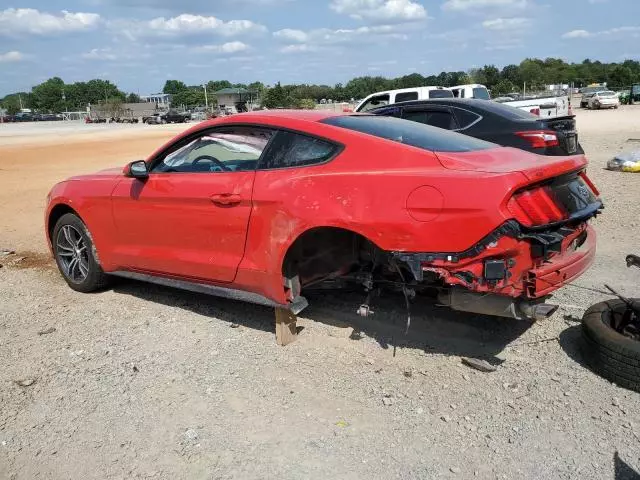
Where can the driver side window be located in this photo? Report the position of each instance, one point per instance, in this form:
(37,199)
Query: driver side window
(228,149)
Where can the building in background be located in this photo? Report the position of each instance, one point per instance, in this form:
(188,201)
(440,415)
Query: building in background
(234,100)
(162,100)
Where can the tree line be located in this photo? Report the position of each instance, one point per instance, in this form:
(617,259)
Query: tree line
(54,95)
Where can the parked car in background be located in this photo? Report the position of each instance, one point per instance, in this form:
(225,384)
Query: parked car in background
(380,99)
(588,92)
(173,116)
(493,122)
(24,117)
(606,99)
(154,119)
(259,206)
(474,90)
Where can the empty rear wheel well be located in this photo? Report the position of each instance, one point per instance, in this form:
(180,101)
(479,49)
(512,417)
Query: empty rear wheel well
(56,213)
(325,252)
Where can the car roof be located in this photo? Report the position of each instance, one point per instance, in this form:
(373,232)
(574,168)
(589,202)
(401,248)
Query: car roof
(306,115)
(473,104)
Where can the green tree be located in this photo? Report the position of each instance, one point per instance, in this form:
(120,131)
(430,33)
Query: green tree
(532,72)
(172,87)
(192,96)
(502,88)
(47,97)
(410,81)
(275,97)
(306,104)
(620,76)
(512,74)
(215,85)
(133,98)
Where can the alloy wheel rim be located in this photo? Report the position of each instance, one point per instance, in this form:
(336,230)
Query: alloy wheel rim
(72,253)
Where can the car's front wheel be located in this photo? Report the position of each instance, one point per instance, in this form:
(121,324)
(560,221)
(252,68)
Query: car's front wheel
(75,256)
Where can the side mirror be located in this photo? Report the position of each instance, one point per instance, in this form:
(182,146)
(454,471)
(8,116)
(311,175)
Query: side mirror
(137,169)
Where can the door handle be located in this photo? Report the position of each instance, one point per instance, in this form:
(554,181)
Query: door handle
(226,199)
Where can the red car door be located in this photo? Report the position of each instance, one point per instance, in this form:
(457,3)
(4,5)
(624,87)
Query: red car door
(189,218)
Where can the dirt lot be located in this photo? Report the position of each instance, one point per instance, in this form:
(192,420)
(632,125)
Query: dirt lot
(147,382)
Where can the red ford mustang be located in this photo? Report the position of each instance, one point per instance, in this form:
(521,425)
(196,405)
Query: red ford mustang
(260,206)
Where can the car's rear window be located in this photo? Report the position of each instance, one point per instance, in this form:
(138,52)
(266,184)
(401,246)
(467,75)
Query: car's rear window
(410,133)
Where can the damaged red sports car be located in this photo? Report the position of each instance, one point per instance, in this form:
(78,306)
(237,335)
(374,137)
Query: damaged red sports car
(260,206)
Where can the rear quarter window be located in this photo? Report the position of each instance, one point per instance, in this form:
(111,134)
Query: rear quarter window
(465,117)
(291,149)
(410,133)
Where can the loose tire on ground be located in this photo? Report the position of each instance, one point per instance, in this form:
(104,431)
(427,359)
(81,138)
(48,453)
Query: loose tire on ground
(609,353)
(90,277)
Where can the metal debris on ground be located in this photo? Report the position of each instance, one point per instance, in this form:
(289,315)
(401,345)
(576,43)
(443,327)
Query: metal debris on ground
(47,331)
(481,365)
(27,382)
(6,251)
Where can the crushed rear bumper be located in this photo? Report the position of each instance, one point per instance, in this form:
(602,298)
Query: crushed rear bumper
(511,261)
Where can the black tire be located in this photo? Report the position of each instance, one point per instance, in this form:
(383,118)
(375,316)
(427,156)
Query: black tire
(609,353)
(95,278)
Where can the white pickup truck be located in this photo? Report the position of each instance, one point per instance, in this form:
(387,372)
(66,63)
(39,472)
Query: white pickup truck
(551,106)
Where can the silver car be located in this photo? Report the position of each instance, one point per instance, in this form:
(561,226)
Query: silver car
(589,92)
(606,99)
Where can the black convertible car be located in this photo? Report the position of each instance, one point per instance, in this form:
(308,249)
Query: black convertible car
(493,122)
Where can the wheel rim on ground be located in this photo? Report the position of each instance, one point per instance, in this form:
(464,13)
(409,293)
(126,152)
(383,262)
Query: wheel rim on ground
(625,322)
(72,254)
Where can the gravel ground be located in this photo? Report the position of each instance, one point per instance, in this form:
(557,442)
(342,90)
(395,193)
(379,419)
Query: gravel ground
(147,382)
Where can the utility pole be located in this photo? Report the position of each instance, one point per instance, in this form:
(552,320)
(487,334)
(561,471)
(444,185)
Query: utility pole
(206,98)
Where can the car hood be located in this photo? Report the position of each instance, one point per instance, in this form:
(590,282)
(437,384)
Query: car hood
(508,160)
(100,175)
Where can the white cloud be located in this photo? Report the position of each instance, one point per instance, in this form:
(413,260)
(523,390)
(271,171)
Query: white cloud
(300,48)
(576,34)
(474,5)
(186,24)
(20,21)
(618,32)
(12,56)
(497,46)
(381,11)
(100,54)
(229,47)
(314,40)
(506,23)
(291,35)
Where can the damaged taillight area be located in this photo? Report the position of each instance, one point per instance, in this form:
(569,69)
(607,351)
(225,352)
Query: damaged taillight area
(561,199)
(537,206)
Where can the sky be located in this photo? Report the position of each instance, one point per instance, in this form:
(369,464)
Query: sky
(139,44)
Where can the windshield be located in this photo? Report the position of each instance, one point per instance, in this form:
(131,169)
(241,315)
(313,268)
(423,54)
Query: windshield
(410,133)
(481,93)
(607,94)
